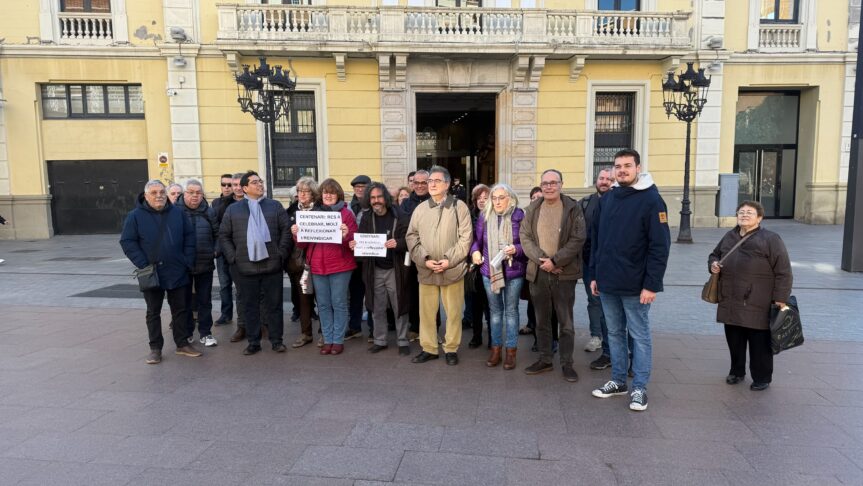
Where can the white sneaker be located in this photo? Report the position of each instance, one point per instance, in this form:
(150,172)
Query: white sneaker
(594,344)
(209,341)
(2,260)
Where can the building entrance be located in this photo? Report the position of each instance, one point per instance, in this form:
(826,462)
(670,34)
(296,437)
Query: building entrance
(457,131)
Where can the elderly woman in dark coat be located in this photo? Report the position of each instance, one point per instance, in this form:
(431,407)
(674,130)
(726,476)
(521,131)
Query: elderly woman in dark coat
(752,278)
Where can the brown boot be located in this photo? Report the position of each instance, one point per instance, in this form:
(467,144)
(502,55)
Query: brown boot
(509,360)
(494,358)
(239,335)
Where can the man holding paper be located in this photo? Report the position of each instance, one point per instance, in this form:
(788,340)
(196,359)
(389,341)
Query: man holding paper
(379,245)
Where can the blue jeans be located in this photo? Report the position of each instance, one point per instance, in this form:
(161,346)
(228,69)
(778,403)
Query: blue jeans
(332,296)
(625,314)
(503,307)
(596,316)
(226,283)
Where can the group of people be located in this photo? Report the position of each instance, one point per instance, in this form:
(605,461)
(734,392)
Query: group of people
(447,260)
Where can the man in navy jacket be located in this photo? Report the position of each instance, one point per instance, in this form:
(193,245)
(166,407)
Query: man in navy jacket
(174,258)
(630,242)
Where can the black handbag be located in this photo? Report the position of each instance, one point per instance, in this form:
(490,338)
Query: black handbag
(473,278)
(710,291)
(148,277)
(786,329)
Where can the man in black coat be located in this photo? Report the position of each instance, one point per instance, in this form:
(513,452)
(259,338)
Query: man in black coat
(384,277)
(255,238)
(598,330)
(356,289)
(226,294)
(419,194)
(157,232)
(200,294)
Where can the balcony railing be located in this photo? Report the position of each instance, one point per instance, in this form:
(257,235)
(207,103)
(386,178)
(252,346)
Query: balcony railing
(780,37)
(85,27)
(452,25)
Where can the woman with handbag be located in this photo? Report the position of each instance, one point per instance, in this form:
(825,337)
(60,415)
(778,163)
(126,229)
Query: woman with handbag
(754,273)
(497,248)
(308,199)
(331,266)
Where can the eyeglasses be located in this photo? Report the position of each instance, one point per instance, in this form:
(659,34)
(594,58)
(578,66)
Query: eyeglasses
(549,183)
(226,184)
(747,213)
(330,194)
(499,198)
(435,182)
(421,183)
(304,191)
(257,182)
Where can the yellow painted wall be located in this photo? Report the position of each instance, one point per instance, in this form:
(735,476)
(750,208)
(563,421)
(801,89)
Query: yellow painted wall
(31,140)
(832,25)
(106,139)
(562,114)
(146,22)
(736,27)
(228,136)
(19,20)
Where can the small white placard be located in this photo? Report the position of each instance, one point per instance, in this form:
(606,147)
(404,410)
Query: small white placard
(319,227)
(370,245)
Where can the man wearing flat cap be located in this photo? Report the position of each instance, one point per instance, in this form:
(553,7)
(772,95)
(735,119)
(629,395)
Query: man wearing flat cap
(356,288)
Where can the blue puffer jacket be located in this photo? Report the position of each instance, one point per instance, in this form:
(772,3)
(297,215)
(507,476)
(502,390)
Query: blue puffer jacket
(630,239)
(177,253)
(203,220)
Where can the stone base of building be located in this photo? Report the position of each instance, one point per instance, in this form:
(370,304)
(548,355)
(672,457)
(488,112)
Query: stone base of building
(27,217)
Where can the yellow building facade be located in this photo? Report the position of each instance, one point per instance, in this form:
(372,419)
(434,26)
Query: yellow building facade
(99,96)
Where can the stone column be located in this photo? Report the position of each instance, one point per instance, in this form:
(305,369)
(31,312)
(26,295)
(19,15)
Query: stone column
(518,147)
(395,165)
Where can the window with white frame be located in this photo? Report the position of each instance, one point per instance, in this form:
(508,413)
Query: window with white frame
(779,11)
(616,119)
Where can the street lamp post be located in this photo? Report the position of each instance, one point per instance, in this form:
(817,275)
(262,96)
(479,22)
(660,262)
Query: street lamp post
(264,91)
(684,98)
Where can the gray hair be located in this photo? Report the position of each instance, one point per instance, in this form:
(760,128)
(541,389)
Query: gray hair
(309,183)
(546,171)
(175,185)
(194,182)
(489,206)
(238,175)
(153,182)
(440,170)
(422,172)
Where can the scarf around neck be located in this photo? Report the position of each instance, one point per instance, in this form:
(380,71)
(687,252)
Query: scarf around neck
(499,236)
(257,233)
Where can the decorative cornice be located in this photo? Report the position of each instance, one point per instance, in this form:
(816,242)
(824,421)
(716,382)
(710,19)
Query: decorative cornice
(576,66)
(340,65)
(790,58)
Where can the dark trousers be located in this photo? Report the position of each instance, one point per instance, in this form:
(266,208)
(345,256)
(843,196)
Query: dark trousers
(304,304)
(477,305)
(549,292)
(200,298)
(179,315)
(226,285)
(760,355)
(296,292)
(414,299)
(261,301)
(357,294)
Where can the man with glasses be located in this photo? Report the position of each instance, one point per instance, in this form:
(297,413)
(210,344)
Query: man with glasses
(225,283)
(630,242)
(419,193)
(438,238)
(552,235)
(255,238)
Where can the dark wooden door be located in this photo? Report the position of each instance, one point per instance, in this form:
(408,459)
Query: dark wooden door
(94,196)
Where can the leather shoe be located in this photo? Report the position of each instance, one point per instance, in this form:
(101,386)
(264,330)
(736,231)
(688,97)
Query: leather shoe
(279,348)
(337,349)
(474,343)
(404,350)
(759,386)
(423,357)
(733,379)
(569,374)
(538,367)
(377,348)
(252,349)
(451,359)
(238,335)
(494,358)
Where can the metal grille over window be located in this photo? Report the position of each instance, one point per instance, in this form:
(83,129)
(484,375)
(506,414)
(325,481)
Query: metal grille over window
(295,151)
(612,127)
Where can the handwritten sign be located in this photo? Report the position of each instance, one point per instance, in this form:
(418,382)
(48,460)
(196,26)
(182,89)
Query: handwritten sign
(370,245)
(319,227)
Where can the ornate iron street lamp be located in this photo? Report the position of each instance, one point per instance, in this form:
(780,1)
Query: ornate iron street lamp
(684,98)
(265,92)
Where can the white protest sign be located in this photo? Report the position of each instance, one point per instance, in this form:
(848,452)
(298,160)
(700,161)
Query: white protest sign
(319,227)
(370,245)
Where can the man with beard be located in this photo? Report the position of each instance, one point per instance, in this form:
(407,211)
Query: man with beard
(629,247)
(384,277)
(419,194)
(598,330)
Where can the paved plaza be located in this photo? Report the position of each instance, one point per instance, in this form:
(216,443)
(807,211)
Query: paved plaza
(79,406)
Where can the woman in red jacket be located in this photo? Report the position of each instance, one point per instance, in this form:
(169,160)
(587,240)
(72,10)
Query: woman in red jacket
(331,266)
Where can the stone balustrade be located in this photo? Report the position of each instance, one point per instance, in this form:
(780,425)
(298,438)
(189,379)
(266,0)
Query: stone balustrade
(780,37)
(85,27)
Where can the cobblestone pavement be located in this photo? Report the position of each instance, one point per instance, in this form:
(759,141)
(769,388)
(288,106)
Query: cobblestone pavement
(79,406)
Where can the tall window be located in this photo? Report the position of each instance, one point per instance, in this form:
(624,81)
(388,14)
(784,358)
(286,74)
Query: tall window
(295,146)
(613,126)
(779,11)
(94,6)
(621,5)
(92,101)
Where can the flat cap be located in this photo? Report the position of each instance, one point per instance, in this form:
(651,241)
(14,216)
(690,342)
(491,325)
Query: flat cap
(361,179)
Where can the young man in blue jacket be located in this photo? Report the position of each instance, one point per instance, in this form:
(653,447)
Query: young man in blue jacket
(630,242)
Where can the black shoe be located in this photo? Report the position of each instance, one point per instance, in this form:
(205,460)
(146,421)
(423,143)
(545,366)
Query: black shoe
(538,367)
(733,379)
(759,386)
(279,348)
(222,320)
(252,349)
(534,349)
(377,348)
(474,343)
(423,357)
(404,350)
(295,316)
(600,363)
(569,374)
(451,359)
(352,333)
